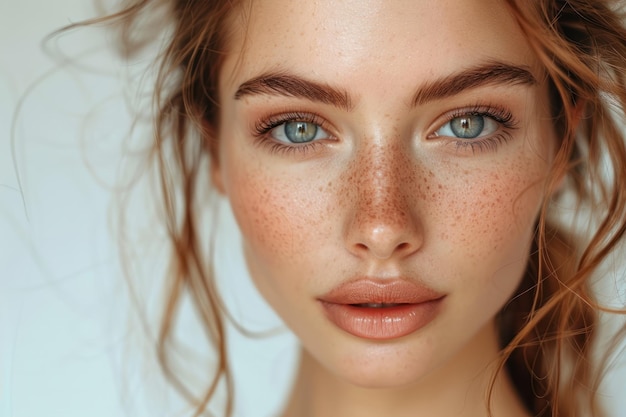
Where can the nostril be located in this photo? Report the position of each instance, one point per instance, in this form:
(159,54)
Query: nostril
(381,250)
(361,247)
(402,246)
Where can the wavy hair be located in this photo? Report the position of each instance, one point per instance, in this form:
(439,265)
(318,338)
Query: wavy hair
(547,329)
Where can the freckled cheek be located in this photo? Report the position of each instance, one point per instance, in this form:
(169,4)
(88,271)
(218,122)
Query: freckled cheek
(279,218)
(491,214)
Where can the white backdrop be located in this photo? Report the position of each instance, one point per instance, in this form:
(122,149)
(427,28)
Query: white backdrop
(68,344)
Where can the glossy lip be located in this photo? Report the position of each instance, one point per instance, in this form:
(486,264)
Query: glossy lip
(412,306)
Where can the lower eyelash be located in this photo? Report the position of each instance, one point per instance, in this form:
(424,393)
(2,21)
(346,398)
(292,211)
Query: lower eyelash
(282,149)
(489,143)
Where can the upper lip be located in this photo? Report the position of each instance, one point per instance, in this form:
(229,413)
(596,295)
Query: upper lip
(387,291)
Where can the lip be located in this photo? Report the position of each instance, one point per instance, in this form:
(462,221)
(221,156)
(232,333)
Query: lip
(410,307)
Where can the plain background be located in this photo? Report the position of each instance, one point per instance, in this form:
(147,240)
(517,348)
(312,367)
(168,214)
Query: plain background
(69,345)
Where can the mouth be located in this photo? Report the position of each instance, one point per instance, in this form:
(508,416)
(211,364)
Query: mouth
(377,305)
(381,309)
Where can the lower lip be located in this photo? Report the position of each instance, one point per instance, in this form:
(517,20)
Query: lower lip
(382,323)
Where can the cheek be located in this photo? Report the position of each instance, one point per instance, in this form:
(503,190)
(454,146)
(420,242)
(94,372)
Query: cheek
(285,228)
(490,209)
(492,216)
(280,217)
(483,239)
(260,209)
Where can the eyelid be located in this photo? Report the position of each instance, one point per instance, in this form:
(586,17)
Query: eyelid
(265,124)
(500,115)
(263,127)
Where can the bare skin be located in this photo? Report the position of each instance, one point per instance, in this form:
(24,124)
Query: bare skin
(385,188)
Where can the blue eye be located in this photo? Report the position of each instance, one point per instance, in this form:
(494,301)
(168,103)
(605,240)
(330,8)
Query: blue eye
(470,126)
(298,132)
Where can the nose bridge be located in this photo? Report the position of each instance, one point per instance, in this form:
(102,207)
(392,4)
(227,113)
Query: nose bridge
(382,222)
(382,171)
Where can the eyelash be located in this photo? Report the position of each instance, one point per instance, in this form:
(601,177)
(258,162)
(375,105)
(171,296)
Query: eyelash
(263,127)
(502,116)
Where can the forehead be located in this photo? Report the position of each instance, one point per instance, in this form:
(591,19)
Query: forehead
(358,41)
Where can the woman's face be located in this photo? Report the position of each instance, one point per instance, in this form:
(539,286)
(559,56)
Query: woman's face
(385,161)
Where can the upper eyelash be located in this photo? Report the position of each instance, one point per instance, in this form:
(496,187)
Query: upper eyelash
(264,126)
(497,113)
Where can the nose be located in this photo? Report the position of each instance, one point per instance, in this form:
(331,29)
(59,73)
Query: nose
(383,221)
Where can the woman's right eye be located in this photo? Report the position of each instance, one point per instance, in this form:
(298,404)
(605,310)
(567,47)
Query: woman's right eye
(298,132)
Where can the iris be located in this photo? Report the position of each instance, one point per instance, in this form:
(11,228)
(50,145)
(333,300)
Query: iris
(467,127)
(300,132)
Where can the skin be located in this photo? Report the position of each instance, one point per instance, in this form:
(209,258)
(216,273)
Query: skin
(381,195)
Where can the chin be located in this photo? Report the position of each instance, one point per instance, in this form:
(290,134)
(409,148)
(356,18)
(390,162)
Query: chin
(392,377)
(389,365)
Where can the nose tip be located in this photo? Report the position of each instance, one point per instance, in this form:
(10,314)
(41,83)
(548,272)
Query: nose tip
(385,237)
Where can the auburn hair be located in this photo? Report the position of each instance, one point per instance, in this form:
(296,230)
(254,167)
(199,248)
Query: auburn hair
(547,329)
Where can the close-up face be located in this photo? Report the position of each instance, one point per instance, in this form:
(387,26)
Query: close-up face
(386,163)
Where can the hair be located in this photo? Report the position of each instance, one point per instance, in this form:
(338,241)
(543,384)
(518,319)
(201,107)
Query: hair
(547,329)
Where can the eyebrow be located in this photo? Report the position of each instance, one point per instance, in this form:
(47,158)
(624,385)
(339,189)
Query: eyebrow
(289,85)
(491,73)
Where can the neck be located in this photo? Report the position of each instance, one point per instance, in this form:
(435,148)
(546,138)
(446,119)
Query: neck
(457,389)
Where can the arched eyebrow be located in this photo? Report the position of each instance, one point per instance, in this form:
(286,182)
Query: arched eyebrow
(290,85)
(284,84)
(492,73)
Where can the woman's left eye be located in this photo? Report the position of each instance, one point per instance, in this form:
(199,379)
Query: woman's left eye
(298,132)
(468,126)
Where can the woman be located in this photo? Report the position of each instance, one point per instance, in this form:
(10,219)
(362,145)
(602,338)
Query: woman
(396,170)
